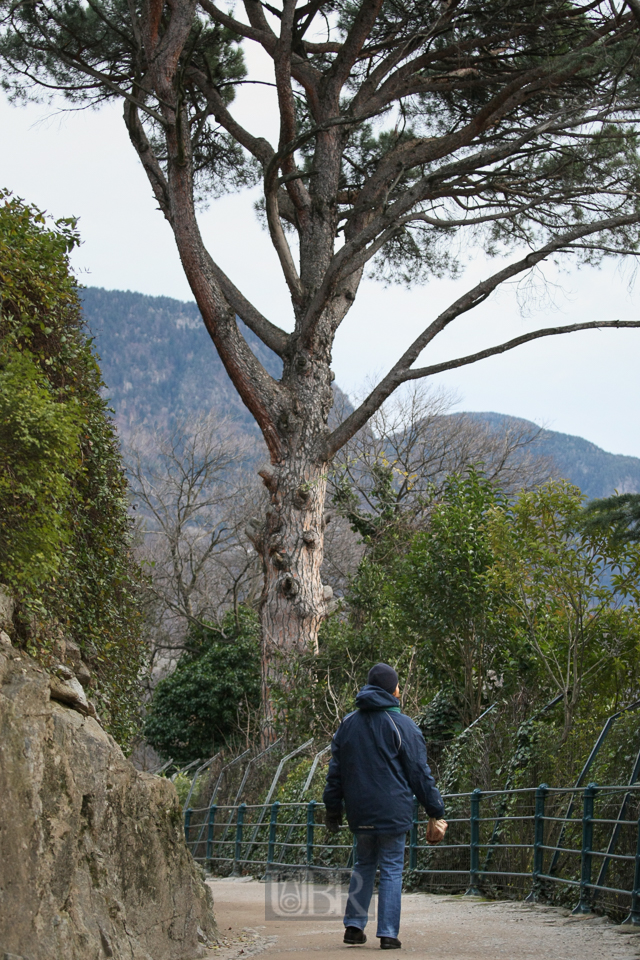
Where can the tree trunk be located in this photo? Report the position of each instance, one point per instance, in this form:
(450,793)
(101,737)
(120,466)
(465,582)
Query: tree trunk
(290,541)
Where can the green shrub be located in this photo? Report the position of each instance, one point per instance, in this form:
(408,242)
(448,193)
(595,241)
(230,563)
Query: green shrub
(204,703)
(182,783)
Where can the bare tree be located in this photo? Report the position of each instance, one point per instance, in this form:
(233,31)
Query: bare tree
(343,551)
(194,495)
(407,129)
(399,461)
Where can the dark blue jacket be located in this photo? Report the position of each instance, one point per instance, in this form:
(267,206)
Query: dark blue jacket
(378,762)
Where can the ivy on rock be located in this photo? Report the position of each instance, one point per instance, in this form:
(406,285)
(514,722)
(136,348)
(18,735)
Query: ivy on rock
(65,532)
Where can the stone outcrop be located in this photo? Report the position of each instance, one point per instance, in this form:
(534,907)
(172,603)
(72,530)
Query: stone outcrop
(66,688)
(92,856)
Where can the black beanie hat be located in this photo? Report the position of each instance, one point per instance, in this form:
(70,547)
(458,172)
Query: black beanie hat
(382,675)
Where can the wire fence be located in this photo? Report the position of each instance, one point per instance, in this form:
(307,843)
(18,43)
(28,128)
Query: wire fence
(576,846)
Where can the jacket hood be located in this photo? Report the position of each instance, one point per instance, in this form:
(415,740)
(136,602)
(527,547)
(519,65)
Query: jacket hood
(375,698)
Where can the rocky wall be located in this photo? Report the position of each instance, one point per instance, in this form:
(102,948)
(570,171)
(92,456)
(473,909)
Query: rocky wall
(92,857)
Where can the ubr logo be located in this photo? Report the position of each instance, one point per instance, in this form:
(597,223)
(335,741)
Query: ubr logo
(300,900)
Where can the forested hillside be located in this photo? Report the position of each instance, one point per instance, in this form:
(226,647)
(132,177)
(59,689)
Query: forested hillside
(158,362)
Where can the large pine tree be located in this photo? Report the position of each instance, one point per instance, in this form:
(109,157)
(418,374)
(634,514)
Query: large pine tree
(407,131)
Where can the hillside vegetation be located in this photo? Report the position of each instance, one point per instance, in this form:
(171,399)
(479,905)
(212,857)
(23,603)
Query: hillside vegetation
(158,360)
(596,472)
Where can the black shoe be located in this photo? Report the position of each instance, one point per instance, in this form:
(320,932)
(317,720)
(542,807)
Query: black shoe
(354,935)
(389,943)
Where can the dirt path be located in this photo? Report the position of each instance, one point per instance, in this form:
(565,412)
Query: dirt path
(433,928)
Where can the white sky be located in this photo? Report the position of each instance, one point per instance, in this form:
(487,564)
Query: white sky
(82,164)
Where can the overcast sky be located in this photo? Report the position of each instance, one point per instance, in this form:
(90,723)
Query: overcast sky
(587,384)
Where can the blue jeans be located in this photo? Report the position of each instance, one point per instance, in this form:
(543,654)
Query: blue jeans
(387,851)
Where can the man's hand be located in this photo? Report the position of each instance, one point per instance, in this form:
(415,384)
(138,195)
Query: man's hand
(436,830)
(332,821)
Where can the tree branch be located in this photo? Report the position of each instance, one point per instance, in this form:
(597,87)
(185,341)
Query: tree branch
(420,151)
(376,398)
(148,159)
(353,255)
(339,71)
(271,335)
(301,70)
(278,237)
(516,342)
(401,371)
(258,147)
(286,102)
(634,6)
(242,29)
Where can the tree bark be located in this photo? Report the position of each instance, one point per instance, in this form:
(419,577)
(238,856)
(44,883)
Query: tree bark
(294,601)
(289,538)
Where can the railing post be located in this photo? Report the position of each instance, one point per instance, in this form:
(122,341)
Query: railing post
(210,827)
(584,903)
(634,915)
(187,824)
(238,849)
(538,841)
(413,838)
(311,822)
(474,845)
(273,823)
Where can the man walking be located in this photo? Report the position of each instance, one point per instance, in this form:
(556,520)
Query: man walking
(378,762)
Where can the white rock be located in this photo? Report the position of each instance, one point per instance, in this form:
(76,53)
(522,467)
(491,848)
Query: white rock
(69,691)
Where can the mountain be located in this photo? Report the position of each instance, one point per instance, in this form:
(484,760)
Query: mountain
(596,472)
(159,363)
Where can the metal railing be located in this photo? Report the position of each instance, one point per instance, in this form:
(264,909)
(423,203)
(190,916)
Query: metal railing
(523,841)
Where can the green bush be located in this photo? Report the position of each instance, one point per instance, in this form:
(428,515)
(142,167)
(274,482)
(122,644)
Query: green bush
(182,783)
(205,702)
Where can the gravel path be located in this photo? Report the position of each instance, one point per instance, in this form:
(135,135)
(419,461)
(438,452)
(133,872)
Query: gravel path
(433,928)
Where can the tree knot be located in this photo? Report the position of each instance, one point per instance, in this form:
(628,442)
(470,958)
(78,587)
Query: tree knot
(310,538)
(302,496)
(268,478)
(289,585)
(281,561)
